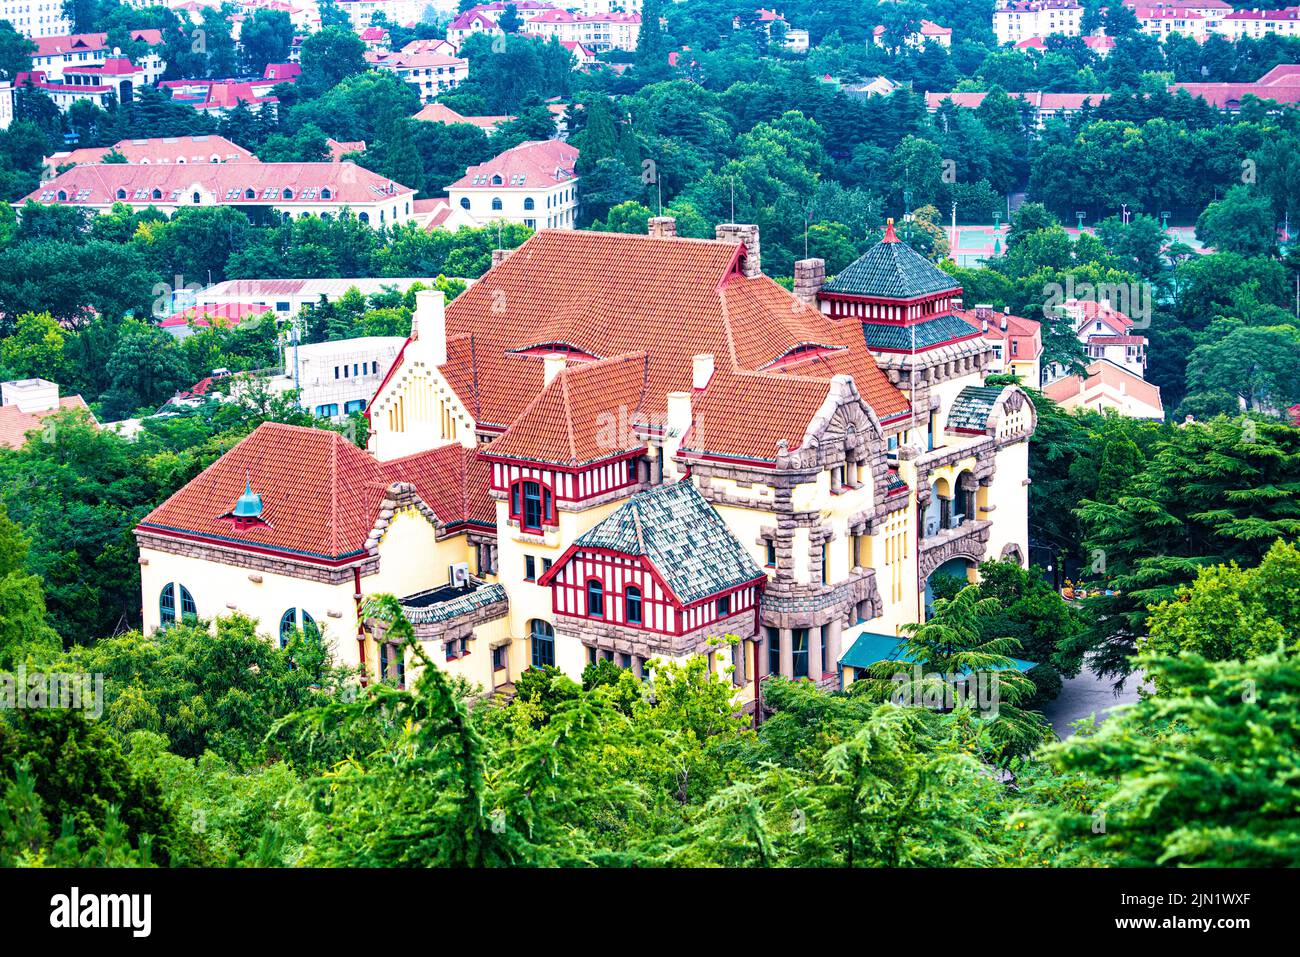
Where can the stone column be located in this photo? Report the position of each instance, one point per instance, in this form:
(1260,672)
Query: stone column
(834,638)
(815,653)
(787,653)
(739,653)
(762,653)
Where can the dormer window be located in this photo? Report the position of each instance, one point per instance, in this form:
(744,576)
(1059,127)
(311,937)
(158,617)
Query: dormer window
(326,193)
(287,193)
(532,505)
(497,181)
(121,194)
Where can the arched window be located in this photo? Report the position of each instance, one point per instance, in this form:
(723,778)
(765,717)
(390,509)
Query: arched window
(63,196)
(633,601)
(542,638)
(464,202)
(496,203)
(595,598)
(157,194)
(292,620)
(121,194)
(365,217)
(167,605)
(197,199)
(528,202)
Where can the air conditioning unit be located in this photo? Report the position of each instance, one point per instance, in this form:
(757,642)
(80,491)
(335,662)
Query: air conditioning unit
(931,528)
(458,575)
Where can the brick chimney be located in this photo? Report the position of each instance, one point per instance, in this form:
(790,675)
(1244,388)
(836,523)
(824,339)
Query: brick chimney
(984,312)
(809,276)
(499,256)
(663,227)
(746,233)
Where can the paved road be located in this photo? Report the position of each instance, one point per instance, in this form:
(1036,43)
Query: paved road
(1088,695)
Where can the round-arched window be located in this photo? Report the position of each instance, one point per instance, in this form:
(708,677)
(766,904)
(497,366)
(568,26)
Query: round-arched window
(295,619)
(541,636)
(175,603)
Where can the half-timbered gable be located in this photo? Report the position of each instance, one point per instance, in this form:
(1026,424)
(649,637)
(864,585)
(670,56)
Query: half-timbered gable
(662,573)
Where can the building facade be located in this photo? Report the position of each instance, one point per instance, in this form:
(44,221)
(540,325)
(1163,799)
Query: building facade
(287,190)
(533,184)
(36,18)
(629,448)
(1016,20)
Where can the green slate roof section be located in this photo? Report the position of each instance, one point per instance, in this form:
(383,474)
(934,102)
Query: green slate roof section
(682,536)
(891,270)
(930,333)
(970,410)
(871,648)
(462,605)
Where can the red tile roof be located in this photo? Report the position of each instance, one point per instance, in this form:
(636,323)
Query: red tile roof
(98,185)
(320,493)
(87,42)
(615,294)
(160,151)
(537,161)
(437,113)
(15,424)
(576,418)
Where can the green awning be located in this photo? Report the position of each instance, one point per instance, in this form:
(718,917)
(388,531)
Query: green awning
(871,648)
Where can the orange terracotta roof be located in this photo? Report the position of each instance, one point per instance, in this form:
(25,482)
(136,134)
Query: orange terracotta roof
(14,424)
(582,415)
(615,294)
(320,493)
(1103,375)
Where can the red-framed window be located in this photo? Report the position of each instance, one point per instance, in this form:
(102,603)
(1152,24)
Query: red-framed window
(532,504)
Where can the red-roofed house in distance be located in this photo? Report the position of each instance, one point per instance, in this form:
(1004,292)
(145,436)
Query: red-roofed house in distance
(1103,386)
(54,54)
(1106,333)
(24,403)
(290,190)
(186,321)
(1256,24)
(1280,84)
(429,73)
(926,32)
(161,151)
(598,32)
(1017,342)
(438,113)
(532,184)
(218,97)
(113,80)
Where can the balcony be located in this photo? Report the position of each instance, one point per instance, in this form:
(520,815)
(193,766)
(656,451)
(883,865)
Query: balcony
(437,612)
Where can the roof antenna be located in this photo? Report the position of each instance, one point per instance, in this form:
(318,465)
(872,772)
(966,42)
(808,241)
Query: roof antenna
(660,183)
(733,197)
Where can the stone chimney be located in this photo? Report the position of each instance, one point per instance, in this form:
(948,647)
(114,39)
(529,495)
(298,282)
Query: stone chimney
(701,370)
(747,233)
(499,256)
(1005,312)
(663,227)
(984,311)
(429,323)
(553,364)
(809,276)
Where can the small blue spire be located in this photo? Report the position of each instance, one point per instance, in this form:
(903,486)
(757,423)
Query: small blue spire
(249,504)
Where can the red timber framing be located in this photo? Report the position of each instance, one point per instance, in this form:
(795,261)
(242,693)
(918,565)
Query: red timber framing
(566,484)
(902,311)
(660,609)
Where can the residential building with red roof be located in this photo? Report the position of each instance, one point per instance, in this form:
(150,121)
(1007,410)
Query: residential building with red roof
(1104,386)
(1255,24)
(1017,342)
(1280,84)
(468,24)
(54,54)
(1043,106)
(218,97)
(429,73)
(99,80)
(1105,333)
(1016,20)
(26,403)
(598,32)
(292,190)
(617,447)
(404,13)
(160,151)
(438,113)
(533,184)
(926,32)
